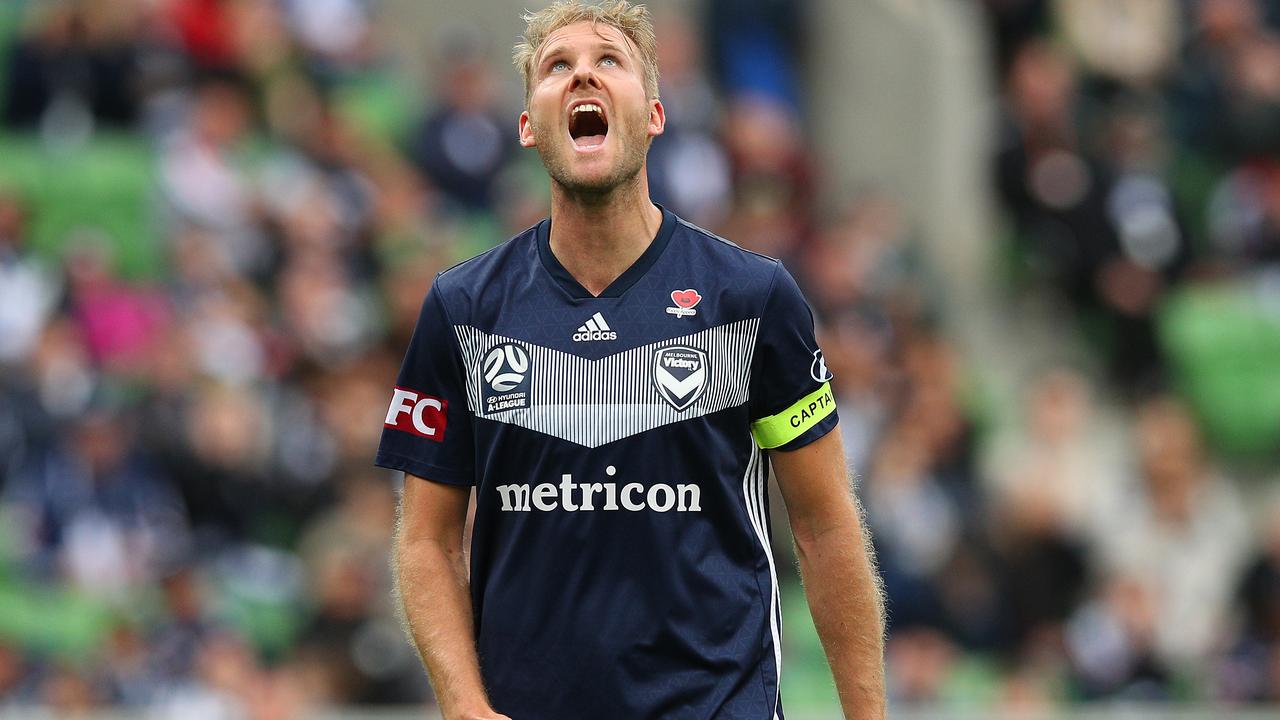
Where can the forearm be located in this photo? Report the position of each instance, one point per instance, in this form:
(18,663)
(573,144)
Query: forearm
(433,591)
(845,598)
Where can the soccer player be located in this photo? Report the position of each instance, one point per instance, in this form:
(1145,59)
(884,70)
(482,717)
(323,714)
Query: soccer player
(614,383)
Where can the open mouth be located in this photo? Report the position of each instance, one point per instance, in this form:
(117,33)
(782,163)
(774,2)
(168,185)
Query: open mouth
(587,126)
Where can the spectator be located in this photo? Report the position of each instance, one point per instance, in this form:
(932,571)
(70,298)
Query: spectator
(16,678)
(1229,90)
(27,290)
(1111,642)
(119,323)
(462,145)
(1181,534)
(1063,465)
(688,168)
(75,68)
(1250,671)
(201,181)
(103,515)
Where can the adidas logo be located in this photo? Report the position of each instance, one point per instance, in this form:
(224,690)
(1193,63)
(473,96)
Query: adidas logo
(595,329)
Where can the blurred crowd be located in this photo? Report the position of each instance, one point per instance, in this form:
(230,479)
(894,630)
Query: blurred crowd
(1101,548)
(190,523)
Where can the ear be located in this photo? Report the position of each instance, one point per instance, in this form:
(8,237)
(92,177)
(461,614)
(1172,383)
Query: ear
(657,118)
(526,131)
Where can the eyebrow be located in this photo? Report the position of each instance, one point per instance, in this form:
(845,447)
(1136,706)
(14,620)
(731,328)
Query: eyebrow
(606,45)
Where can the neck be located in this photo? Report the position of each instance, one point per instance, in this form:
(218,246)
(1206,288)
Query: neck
(597,236)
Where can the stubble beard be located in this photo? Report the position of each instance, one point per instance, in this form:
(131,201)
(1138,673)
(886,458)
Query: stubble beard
(558,162)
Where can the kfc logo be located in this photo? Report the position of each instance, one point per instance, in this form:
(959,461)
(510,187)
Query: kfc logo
(417,413)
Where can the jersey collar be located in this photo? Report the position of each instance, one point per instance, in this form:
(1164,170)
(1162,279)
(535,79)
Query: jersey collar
(625,280)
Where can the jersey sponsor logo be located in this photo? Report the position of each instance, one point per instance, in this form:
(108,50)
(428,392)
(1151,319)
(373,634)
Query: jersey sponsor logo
(506,371)
(595,328)
(586,497)
(417,413)
(818,370)
(680,374)
(684,300)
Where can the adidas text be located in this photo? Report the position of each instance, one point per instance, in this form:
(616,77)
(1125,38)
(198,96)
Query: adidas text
(595,328)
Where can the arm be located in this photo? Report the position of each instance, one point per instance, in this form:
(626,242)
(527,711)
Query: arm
(837,567)
(433,591)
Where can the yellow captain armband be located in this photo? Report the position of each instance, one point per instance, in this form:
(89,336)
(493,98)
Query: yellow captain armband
(778,430)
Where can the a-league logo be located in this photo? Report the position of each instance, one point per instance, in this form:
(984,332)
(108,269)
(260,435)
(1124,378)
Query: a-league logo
(680,375)
(506,373)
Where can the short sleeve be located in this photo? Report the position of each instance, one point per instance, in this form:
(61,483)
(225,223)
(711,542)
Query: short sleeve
(427,430)
(791,403)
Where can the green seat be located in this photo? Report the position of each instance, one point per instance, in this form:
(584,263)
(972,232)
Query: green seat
(51,620)
(378,105)
(1223,342)
(104,188)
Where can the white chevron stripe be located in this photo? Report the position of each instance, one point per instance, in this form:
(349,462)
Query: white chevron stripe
(594,402)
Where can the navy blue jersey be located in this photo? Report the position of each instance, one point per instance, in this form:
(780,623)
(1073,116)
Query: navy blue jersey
(620,563)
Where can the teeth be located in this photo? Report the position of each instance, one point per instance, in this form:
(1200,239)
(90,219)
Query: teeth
(587,106)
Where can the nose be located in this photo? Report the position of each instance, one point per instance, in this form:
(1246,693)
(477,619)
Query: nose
(583,76)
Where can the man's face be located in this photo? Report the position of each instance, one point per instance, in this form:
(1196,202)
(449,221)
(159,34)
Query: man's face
(589,115)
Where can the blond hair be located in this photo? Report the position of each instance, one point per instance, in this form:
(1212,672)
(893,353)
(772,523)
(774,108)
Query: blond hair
(632,21)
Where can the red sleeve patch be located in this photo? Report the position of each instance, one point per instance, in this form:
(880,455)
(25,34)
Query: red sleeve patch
(418,413)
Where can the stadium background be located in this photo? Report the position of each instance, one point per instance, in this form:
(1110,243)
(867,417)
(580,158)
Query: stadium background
(1042,240)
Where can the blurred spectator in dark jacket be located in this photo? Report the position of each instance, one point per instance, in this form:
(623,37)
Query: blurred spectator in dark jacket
(75,67)
(1228,94)
(349,634)
(1153,248)
(185,625)
(1052,187)
(465,142)
(1013,23)
(1251,672)
(688,167)
(1097,218)
(101,515)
